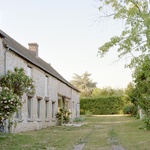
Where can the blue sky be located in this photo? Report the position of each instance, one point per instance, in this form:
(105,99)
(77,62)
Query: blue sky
(68,33)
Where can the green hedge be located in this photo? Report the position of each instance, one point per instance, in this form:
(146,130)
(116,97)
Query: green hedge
(102,105)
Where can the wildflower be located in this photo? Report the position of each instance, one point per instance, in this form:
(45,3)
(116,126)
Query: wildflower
(6,88)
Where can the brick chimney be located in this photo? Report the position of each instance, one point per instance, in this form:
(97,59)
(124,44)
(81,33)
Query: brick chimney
(34,48)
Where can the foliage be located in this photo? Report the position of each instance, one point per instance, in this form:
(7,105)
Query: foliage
(13,85)
(17,81)
(88,113)
(130,109)
(131,94)
(134,41)
(107,92)
(102,105)
(146,120)
(9,103)
(135,38)
(84,84)
(142,85)
(63,116)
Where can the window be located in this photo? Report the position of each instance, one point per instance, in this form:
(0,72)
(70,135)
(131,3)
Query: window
(18,114)
(53,110)
(46,109)
(38,108)
(29,103)
(66,104)
(73,104)
(46,86)
(29,69)
(59,103)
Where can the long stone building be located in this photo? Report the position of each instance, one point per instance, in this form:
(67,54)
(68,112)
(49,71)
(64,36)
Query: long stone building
(51,89)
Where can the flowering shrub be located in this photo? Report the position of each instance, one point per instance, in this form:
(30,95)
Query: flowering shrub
(9,103)
(17,81)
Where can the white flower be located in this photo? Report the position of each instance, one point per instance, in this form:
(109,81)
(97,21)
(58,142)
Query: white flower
(6,88)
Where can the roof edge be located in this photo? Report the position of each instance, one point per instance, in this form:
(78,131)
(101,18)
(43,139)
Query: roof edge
(14,50)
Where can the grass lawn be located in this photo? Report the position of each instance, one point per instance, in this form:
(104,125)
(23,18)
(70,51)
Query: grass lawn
(100,133)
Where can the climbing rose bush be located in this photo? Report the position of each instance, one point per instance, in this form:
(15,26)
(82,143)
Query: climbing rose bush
(9,103)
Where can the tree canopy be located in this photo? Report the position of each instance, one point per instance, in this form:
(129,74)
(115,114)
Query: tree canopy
(135,38)
(84,83)
(142,84)
(107,92)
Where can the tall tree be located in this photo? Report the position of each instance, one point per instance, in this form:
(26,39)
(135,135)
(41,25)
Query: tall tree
(135,38)
(135,41)
(84,84)
(142,83)
(131,94)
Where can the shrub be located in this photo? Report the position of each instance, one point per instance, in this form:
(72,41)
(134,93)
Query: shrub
(63,116)
(12,87)
(102,105)
(130,109)
(146,121)
(9,103)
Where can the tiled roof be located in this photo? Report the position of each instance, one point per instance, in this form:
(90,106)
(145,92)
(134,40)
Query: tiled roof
(29,56)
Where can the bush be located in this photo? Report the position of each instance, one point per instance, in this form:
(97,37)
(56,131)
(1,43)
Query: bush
(12,87)
(146,121)
(101,106)
(130,109)
(9,103)
(18,82)
(63,116)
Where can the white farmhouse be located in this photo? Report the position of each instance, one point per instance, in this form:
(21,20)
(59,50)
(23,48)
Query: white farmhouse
(51,89)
